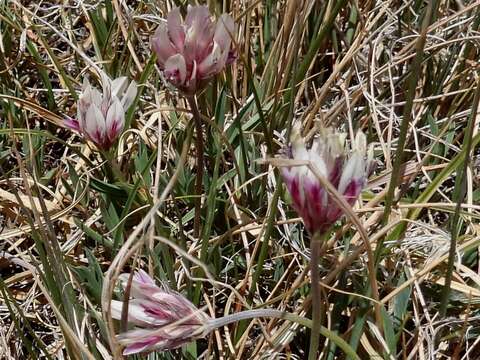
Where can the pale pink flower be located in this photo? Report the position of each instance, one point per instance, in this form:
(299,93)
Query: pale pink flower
(164,319)
(192,51)
(346,170)
(101,117)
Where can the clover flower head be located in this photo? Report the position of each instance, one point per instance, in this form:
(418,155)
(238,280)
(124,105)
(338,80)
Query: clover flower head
(347,170)
(164,319)
(193,50)
(101,116)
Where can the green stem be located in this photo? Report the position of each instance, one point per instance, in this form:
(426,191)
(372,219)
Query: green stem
(200,155)
(317,42)
(316,247)
(407,117)
(273,313)
(258,104)
(266,238)
(112,171)
(459,193)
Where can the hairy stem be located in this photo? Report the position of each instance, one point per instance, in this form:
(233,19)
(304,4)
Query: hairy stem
(252,314)
(316,248)
(200,155)
(273,313)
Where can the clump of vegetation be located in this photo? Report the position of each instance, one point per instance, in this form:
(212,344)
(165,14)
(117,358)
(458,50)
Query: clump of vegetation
(155,157)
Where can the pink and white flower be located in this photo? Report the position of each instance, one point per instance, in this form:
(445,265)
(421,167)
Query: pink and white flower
(192,51)
(164,319)
(346,170)
(101,117)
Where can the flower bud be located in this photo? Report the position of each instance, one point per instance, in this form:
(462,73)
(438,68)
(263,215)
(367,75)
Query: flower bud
(101,116)
(192,51)
(346,170)
(164,319)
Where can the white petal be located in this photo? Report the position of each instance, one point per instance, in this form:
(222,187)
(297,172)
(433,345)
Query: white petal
(224,31)
(354,169)
(136,314)
(119,85)
(161,45)
(213,63)
(176,31)
(106,87)
(319,163)
(115,119)
(96,97)
(81,118)
(176,70)
(129,95)
(116,309)
(95,124)
(142,277)
(360,143)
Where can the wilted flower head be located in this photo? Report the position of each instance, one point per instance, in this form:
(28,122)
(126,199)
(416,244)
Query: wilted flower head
(346,170)
(190,52)
(101,117)
(164,319)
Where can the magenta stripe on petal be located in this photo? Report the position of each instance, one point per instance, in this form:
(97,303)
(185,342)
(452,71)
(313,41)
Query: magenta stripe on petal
(336,172)
(142,277)
(316,204)
(164,319)
(294,188)
(156,310)
(142,345)
(72,124)
(344,169)
(352,191)
(334,213)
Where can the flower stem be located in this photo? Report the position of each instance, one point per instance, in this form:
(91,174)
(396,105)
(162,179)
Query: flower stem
(316,247)
(200,155)
(251,314)
(113,171)
(273,313)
